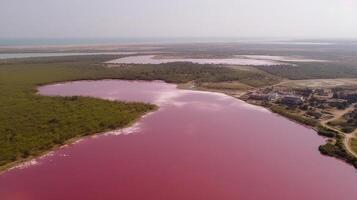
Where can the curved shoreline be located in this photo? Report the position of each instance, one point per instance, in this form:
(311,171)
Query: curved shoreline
(10,166)
(17,163)
(225,139)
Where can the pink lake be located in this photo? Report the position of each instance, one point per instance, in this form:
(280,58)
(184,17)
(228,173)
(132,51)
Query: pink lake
(197,146)
(150,59)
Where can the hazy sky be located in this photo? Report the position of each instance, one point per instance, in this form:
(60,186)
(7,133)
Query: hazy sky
(178,18)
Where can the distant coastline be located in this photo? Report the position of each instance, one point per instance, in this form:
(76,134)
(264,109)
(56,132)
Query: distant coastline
(169,40)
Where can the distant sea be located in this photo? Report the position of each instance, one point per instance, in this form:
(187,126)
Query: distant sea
(71,41)
(148,40)
(106,41)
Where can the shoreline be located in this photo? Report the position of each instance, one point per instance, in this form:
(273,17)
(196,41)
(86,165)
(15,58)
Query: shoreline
(339,141)
(185,86)
(14,165)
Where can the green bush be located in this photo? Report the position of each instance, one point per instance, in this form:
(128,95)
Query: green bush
(296,117)
(323,131)
(338,151)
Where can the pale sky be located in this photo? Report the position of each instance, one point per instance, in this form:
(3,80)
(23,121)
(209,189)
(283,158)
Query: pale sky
(178,18)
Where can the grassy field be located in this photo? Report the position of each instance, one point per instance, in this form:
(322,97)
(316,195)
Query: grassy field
(292,115)
(321,83)
(232,85)
(354,144)
(328,70)
(31,124)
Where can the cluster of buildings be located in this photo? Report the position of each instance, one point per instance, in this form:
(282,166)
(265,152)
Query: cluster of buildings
(293,97)
(287,99)
(350,95)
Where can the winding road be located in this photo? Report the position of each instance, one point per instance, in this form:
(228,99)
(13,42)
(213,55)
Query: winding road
(347,137)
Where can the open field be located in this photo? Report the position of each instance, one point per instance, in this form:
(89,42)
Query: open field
(320,83)
(233,85)
(354,144)
(347,123)
(328,70)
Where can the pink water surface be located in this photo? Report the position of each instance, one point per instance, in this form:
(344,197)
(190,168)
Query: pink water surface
(197,146)
(150,59)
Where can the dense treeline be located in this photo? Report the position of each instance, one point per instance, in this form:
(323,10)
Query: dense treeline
(181,72)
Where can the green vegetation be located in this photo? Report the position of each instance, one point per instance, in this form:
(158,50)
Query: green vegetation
(338,151)
(31,124)
(225,86)
(323,131)
(294,116)
(347,123)
(326,70)
(181,72)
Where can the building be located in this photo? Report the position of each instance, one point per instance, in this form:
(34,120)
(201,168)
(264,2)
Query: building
(350,96)
(274,96)
(292,100)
